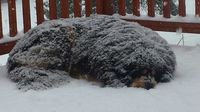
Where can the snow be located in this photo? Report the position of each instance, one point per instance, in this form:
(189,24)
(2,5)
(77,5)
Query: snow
(180,95)
(188,19)
(7,38)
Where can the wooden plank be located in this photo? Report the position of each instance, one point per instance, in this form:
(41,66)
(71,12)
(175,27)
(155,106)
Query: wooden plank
(99,6)
(151,8)
(6,47)
(52,9)
(136,7)
(12,17)
(169,26)
(65,8)
(88,7)
(77,8)
(166,8)
(1,26)
(39,11)
(108,7)
(26,15)
(182,11)
(122,7)
(197,7)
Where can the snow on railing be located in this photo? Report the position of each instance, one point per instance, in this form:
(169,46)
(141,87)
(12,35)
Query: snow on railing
(165,23)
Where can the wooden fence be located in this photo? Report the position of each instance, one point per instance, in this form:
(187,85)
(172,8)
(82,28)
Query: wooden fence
(102,7)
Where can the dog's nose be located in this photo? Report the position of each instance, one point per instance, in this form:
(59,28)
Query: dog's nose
(148,85)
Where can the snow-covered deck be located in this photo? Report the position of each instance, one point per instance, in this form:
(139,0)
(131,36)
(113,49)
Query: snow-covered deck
(180,95)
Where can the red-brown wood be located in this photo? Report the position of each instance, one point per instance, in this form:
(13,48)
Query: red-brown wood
(39,11)
(1,26)
(122,7)
(108,7)
(168,26)
(12,17)
(166,8)
(88,7)
(65,8)
(99,6)
(182,11)
(197,9)
(136,7)
(52,9)
(6,47)
(26,15)
(151,8)
(77,8)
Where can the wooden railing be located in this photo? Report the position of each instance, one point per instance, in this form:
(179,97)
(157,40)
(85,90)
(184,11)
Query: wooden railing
(102,7)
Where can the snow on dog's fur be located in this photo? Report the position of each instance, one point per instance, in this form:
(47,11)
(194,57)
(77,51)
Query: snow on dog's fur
(99,48)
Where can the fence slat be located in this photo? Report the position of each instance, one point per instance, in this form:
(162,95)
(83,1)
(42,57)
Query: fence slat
(1,26)
(77,8)
(136,7)
(99,6)
(166,8)
(65,8)
(197,7)
(108,7)
(88,7)
(182,11)
(52,9)
(151,8)
(122,7)
(12,17)
(26,15)
(39,11)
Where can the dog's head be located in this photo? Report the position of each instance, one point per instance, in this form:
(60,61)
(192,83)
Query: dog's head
(146,79)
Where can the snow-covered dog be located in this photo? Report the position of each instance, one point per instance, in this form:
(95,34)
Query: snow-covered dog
(100,48)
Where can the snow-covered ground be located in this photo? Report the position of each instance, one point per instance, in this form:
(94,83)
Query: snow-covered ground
(180,95)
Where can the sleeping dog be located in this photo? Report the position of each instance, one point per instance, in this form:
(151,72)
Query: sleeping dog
(100,48)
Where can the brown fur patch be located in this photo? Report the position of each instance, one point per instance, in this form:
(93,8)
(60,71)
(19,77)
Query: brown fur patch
(140,82)
(77,74)
(86,77)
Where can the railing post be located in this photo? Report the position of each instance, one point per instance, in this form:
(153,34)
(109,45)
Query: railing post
(39,11)
(136,7)
(108,7)
(151,8)
(53,9)
(26,15)
(181,7)
(64,8)
(104,7)
(88,7)
(99,6)
(166,8)
(77,8)
(122,7)
(12,17)
(1,27)
(197,8)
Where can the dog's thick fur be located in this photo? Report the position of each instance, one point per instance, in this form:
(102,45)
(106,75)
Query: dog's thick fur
(104,48)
